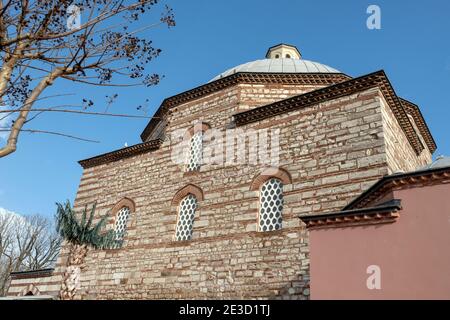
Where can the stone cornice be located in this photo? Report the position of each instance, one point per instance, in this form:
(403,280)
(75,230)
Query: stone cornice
(414,110)
(342,89)
(400,181)
(121,153)
(237,78)
(339,85)
(32,274)
(385,213)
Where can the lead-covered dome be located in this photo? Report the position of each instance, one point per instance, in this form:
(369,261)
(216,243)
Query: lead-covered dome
(280,59)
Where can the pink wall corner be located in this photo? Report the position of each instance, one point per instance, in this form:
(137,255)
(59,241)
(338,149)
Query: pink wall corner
(413,253)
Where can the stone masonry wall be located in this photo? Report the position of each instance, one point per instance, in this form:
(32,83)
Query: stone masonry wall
(48,285)
(400,154)
(333,151)
(254,95)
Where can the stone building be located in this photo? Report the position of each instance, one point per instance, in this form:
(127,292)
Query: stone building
(231,229)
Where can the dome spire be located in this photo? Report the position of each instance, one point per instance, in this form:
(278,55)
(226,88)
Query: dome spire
(283,51)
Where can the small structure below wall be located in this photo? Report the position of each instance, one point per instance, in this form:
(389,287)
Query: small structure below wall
(30,297)
(391,242)
(34,285)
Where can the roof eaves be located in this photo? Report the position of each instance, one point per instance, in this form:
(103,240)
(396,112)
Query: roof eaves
(337,90)
(121,153)
(384,213)
(236,78)
(32,273)
(398,179)
(423,127)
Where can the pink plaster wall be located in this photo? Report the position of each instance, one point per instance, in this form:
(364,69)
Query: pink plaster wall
(413,253)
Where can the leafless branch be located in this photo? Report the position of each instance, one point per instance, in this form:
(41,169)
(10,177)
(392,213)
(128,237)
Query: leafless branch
(37,49)
(82,112)
(26,243)
(52,133)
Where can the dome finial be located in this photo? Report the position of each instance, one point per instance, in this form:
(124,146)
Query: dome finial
(283,51)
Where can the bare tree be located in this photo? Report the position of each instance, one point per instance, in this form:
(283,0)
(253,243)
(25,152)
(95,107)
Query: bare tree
(92,42)
(26,243)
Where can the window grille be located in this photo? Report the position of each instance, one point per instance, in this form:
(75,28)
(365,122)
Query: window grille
(121,222)
(186,216)
(271,205)
(195,152)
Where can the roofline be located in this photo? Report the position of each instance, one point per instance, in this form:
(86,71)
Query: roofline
(122,153)
(208,88)
(237,78)
(32,273)
(341,89)
(386,184)
(423,127)
(392,204)
(341,85)
(384,213)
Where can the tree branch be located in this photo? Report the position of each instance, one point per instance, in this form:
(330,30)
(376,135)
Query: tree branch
(11,144)
(53,133)
(82,112)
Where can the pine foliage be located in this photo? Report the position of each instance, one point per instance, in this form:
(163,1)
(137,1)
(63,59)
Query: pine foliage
(84,231)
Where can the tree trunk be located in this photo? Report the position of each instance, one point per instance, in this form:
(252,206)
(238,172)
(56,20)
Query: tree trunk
(71,277)
(11,143)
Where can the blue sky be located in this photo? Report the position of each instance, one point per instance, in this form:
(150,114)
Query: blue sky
(412,46)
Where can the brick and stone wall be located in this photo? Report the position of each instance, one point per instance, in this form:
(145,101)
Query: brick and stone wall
(254,95)
(36,283)
(332,150)
(400,155)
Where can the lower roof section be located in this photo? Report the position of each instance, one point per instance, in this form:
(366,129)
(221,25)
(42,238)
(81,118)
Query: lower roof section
(32,274)
(400,180)
(360,212)
(384,213)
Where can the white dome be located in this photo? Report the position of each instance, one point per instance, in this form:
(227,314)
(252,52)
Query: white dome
(281,65)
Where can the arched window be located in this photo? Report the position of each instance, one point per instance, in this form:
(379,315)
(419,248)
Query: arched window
(186,215)
(121,214)
(120,227)
(271,205)
(288,56)
(195,152)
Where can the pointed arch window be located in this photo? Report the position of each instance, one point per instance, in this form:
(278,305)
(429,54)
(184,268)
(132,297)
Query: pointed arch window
(271,205)
(195,152)
(270,183)
(120,227)
(186,215)
(121,213)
